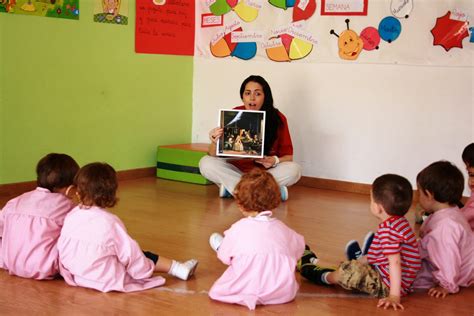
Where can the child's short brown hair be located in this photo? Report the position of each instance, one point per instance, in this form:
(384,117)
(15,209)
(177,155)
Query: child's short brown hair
(56,171)
(394,193)
(444,180)
(257,191)
(468,155)
(97,185)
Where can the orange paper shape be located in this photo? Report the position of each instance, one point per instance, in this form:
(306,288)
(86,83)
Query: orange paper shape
(220,49)
(278,53)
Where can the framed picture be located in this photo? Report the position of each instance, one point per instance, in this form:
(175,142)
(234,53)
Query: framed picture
(344,7)
(244,133)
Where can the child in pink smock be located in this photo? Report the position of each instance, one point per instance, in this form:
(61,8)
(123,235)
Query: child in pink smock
(30,223)
(95,250)
(260,250)
(447,241)
(468,158)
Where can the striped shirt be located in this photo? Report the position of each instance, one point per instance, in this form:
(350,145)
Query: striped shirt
(394,235)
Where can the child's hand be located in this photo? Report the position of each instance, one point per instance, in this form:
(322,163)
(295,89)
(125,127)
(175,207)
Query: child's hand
(390,301)
(438,292)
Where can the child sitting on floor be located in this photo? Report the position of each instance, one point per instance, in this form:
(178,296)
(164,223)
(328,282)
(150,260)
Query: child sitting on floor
(468,158)
(30,223)
(260,250)
(95,250)
(392,261)
(447,241)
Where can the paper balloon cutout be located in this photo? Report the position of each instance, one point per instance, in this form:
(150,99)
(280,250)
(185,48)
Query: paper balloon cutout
(401,8)
(349,43)
(371,38)
(224,47)
(291,48)
(449,33)
(244,11)
(390,28)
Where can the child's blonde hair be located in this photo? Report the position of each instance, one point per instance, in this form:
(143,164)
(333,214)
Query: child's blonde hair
(257,191)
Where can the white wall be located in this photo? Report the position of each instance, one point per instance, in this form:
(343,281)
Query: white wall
(354,121)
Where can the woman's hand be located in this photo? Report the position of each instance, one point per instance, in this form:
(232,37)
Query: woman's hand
(438,292)
(215,134)
(267,161)
(390,301)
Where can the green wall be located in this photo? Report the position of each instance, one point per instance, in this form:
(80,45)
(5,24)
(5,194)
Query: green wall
(78,87)
(2,62)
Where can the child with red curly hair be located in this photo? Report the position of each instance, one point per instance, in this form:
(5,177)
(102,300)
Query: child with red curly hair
(260,250)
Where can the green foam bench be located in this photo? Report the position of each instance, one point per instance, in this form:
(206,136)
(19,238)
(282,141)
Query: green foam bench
(181,162)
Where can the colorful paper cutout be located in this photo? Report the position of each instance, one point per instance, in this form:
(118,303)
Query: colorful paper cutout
(471,39)
(309,9)
(299,49)
(401,8)
(286,47)
(302,9)
(220,7)
(390,28)
(282,4)
(371,38)
(279,53)
(244,11)
(349,43)
(449,33)
(224,47)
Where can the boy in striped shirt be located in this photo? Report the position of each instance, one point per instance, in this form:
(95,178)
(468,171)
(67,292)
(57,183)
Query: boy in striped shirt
(393,259)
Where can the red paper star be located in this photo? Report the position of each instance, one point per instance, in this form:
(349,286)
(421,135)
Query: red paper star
(449,33)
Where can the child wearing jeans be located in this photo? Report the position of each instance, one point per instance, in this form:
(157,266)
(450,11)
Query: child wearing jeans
(392,261)
(95,250)
(260,250)
(30,223)
(468,158)
(447,241)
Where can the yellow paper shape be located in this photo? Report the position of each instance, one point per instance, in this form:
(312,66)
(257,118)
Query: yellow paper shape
(245,12)
(220,49)
(299,48)
(278,53)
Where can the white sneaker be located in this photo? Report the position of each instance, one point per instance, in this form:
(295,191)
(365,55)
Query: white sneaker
(183,270)
(215,240)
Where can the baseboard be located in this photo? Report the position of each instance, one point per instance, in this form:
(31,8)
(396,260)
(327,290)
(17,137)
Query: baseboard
(336,185)
(15,189)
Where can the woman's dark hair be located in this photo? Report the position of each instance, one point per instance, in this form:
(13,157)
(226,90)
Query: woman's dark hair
(56,171)
(272,119)
(394,193)
(468,155)
(257,191)
(443,180)
(97,185)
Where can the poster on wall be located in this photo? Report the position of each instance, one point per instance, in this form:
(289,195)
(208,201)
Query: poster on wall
(111,11)
(65,9)
(344,7)
(164,27)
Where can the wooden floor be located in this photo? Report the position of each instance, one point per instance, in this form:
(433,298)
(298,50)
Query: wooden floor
(175,220)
